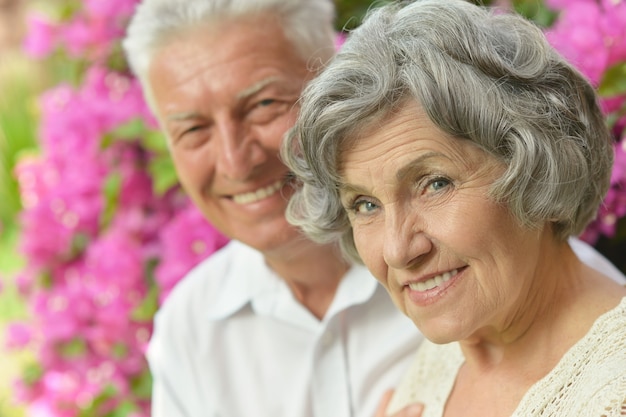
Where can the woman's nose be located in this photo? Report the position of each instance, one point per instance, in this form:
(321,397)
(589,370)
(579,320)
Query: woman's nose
(405,242)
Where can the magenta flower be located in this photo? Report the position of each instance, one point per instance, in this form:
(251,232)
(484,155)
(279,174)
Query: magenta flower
(186,240)
(578,36)
(41,37)
(18,335)
(590,34)
(100,243)
(115,10)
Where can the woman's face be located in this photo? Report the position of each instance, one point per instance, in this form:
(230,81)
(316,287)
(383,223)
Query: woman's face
(453,260)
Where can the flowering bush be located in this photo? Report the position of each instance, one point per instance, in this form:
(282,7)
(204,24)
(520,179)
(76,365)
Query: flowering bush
(105,229)
(107,232)
(592,35)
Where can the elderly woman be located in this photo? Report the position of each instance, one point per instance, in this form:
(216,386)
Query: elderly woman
(453,152)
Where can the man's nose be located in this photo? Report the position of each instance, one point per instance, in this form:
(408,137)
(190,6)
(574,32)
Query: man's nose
(240,151)
(405,242)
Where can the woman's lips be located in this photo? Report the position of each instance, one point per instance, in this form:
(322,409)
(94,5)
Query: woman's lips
(428,291)
(433,282)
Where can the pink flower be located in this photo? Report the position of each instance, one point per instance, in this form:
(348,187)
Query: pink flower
(590,34)
(112,9)
(578,36)
(41,37)
(18,335)
(185,241)
(613,207)
(340,38)
(564,4)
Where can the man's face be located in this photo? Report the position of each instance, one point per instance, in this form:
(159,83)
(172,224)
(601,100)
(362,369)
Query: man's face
(225,97)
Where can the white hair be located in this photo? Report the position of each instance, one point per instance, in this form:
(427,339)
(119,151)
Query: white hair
(307,24)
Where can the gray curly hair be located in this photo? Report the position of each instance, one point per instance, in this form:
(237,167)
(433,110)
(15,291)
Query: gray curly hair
(480,74)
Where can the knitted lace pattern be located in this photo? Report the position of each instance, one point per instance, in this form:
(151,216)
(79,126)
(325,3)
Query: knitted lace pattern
(588,381)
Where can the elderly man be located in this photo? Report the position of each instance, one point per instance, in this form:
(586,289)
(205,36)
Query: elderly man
(273,324)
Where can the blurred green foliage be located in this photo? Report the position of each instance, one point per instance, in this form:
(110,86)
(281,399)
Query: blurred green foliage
(19,88)
(17,131)
(17,135)
(350,12)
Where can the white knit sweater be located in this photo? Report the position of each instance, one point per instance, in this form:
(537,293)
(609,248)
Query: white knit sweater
(589,380)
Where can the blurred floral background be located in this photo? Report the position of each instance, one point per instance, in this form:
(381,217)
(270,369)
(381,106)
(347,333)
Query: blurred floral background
(94,229)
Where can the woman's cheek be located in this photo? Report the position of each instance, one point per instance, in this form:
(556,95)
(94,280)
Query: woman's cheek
(371,252)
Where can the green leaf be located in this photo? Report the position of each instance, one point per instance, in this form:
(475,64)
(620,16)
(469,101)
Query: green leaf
(32,372)
(163,174)
(107,393)
(78,245)
(142,385)
(535,11)
(111,190)
(74,349)
(155,141)
(145,311)
(45,280)
(614,81)
(119,350)
(131,130)
(123,409)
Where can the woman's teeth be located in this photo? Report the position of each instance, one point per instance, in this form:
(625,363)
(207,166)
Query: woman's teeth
(261,193)
(433,282)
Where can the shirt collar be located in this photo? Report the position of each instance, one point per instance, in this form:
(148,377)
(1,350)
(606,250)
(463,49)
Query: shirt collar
(249,280)
(244,278)
(357,287)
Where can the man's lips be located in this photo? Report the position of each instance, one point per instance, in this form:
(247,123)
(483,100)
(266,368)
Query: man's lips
(258,194)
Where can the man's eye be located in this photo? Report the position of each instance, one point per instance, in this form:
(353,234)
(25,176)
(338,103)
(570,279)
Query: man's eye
(266,102)
(193,129)
(266,111)
(193,137)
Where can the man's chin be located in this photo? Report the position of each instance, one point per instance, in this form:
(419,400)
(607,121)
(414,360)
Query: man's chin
(272,241)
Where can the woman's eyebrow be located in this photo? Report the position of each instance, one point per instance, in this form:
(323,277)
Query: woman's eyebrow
(409,168)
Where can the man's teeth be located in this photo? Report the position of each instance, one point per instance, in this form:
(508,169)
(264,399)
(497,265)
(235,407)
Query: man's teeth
(261,193)
(433,282)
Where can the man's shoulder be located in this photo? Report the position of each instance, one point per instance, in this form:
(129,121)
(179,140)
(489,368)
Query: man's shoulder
(590,256)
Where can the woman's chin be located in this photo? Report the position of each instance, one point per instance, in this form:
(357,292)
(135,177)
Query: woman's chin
(439,332)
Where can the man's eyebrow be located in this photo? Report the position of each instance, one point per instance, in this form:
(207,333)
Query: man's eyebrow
(182,116)
(255,88)
(242,95)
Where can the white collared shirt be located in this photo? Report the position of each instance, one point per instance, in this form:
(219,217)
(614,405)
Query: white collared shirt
(231,341)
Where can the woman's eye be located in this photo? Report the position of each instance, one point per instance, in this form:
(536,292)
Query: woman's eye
(364,206)
(438,184)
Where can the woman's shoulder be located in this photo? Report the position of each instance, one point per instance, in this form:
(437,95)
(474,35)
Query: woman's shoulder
(590,379)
